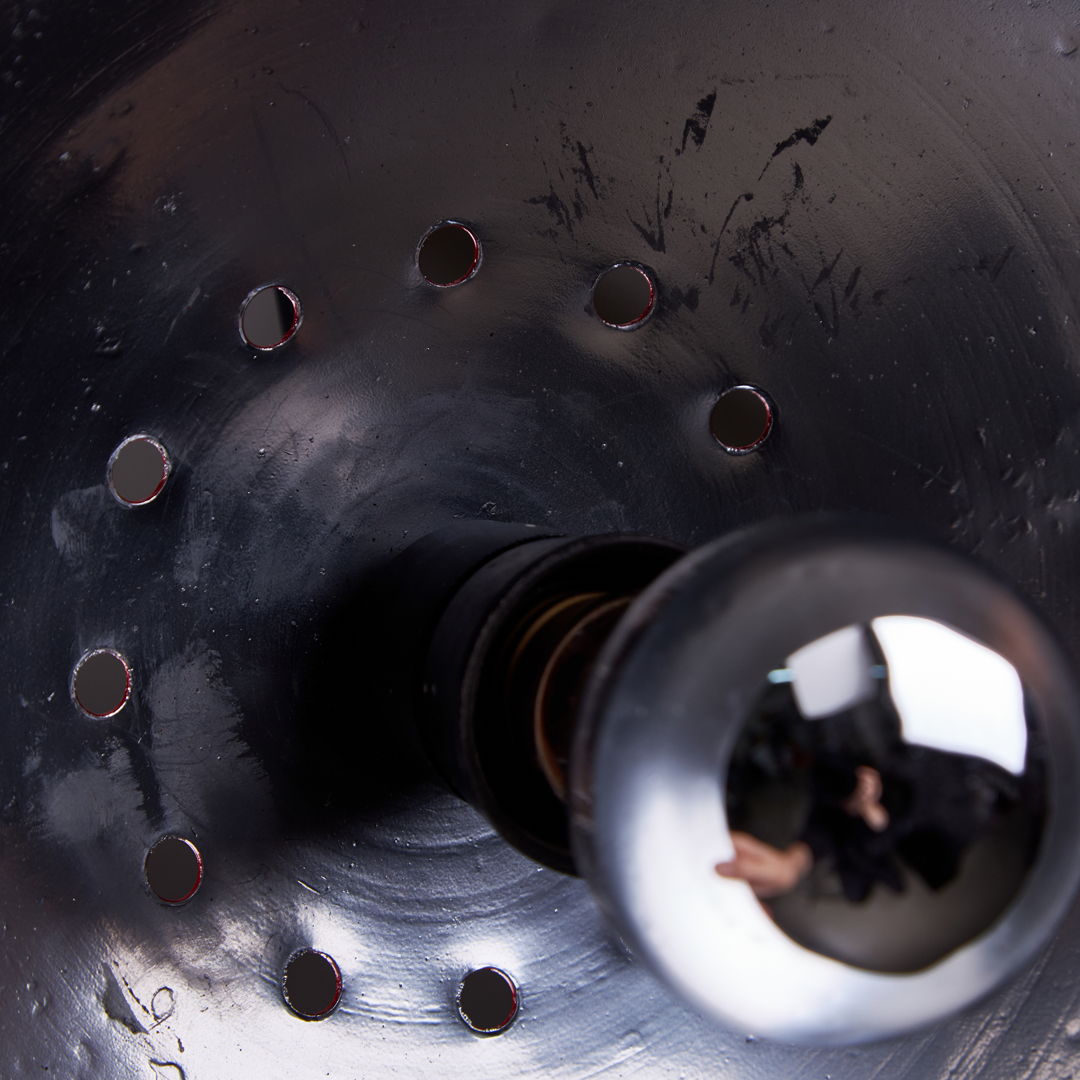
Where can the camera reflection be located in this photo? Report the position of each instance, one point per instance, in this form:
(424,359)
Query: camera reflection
(885,800)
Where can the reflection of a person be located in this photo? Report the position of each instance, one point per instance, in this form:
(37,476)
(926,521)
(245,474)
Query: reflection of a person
(871,805)
(773,872)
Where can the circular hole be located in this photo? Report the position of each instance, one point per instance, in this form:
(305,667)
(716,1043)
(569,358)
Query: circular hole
(448,255)
(741,419)
(487,1000)
(174,869)
(624,296)
(138,469)
(311,984)
(101,683)
(269,317)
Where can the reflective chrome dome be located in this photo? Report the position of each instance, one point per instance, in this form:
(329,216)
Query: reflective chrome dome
(822,781)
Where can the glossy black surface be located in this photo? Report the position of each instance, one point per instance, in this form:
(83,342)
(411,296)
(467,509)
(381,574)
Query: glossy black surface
(866,209)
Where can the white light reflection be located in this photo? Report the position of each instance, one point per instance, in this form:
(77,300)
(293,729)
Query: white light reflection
(953,693)
(831,674)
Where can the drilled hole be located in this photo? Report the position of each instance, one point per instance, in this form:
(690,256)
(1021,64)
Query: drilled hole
(137,470)
(174,869)
(742,419)
(624,296)
(487,1000)
(311,984)
(448,255)
(101,683)
(269,317)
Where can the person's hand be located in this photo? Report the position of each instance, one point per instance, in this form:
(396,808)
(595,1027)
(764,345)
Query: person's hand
(769,871)
(865,800)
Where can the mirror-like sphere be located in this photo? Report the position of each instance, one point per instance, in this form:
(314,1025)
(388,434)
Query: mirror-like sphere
(887,797)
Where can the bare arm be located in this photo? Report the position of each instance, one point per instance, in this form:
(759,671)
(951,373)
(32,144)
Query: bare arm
(769,871)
